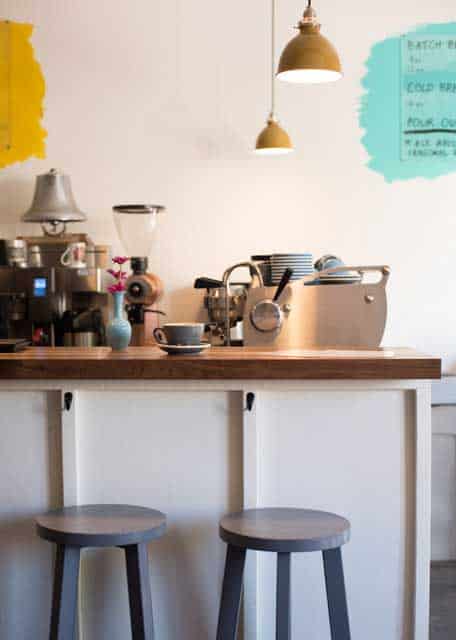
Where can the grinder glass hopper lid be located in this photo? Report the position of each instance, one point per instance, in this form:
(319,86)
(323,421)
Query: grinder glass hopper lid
(136,225)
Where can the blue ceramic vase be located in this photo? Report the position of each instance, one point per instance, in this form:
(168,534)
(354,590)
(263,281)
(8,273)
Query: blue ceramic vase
(118,331)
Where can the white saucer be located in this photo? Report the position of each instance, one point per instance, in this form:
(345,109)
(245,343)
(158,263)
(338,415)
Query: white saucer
(183,349)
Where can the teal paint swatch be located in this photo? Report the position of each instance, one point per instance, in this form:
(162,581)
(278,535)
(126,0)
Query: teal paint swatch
(408,111)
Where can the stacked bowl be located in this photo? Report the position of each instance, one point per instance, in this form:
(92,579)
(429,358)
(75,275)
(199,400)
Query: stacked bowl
(337,277)
(274,265)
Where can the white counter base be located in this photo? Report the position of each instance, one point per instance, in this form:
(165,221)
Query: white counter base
(189,449)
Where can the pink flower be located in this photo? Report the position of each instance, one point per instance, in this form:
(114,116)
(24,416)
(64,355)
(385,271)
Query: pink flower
(118,275)
(119,287)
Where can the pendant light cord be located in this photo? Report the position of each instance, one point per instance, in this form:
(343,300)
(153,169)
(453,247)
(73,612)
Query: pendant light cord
(273,43)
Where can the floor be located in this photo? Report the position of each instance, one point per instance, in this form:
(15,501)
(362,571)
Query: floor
(443,601)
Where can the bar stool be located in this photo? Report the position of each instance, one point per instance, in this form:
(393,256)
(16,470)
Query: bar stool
(73,528)
(284,531)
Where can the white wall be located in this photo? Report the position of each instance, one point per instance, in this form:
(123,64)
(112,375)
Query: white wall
(443,483)
(161,100)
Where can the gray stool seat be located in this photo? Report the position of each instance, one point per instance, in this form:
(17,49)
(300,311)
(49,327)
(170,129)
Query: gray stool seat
(125,526)
(101,525)
(285,530)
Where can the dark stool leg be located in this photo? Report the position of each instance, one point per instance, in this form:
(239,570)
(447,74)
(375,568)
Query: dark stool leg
(337,599)
(283,597)
(231,593)
(65,596)
(139,593)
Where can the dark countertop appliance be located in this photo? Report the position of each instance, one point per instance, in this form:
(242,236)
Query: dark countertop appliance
(36,302)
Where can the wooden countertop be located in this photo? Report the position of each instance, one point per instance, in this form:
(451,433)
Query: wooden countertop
(149,363)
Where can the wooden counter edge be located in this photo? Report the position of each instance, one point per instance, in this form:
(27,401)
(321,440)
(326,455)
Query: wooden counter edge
(219,368)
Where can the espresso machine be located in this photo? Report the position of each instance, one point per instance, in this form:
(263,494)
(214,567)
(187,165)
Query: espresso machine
(136,225)
(215,304)
(348,313)
(51,285)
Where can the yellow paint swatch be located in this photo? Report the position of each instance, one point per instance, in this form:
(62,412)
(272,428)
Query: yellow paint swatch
(5,93)
(22,90)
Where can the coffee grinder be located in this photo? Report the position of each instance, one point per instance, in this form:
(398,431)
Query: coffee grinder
(136,225)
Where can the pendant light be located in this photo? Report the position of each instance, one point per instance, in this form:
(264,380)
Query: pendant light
(273,140)
(309,57)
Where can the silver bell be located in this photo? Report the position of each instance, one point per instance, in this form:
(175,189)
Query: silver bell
(53,201)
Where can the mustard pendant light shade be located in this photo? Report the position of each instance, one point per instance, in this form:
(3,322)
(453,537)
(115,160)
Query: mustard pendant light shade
(273,139)
(309,57)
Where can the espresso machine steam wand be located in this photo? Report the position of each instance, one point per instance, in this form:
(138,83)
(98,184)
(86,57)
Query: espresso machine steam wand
(254,271)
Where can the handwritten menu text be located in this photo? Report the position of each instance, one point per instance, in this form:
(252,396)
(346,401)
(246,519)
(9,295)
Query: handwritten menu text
(428,97)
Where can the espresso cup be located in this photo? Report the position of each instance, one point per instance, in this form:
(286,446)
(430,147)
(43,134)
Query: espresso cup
(182,333)
(74,256)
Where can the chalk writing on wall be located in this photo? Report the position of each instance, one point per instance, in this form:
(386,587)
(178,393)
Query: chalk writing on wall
(428,103)
(409,108)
